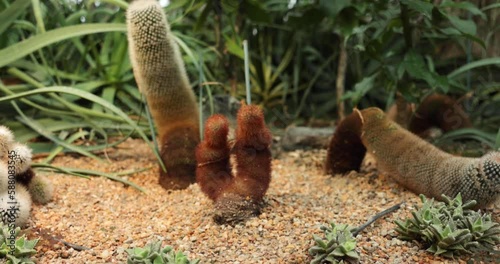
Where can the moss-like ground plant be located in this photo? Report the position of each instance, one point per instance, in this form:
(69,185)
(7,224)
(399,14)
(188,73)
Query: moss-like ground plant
(450,228)
(154,253)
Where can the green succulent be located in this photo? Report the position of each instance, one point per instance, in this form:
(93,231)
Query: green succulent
(23,248)
(154,254)
(450,228)
(337,247)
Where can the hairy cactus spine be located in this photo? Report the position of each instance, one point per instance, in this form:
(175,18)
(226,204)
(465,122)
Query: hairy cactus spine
(16,161)
(235,197)
(40,189)
(417,164)
(21,201)
(161,77)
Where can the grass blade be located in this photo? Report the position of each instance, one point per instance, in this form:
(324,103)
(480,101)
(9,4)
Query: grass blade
(11,13)
(25,47)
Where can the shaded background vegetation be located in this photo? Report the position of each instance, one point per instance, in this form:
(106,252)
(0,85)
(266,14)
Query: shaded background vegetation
(66,76)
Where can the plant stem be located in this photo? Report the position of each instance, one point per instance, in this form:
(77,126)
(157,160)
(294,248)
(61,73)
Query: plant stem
(341,70)
(247,72)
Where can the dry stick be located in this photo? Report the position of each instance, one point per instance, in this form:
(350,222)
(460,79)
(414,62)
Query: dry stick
(71,245)
(389,210)
(340,78)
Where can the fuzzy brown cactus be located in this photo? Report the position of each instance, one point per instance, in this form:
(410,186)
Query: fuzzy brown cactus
(411,161)
(236,197)
(438,110)
(161,76)
(435,111)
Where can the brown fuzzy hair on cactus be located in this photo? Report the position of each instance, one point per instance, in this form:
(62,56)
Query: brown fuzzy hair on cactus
(236,197)
(413,162)
(438,110)
(161,76)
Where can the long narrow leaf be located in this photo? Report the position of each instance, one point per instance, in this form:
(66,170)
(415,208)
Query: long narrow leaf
(90,97)
(11,13)
(23,48)
(475,64)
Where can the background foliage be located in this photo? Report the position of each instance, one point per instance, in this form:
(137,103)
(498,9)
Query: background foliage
(66,75)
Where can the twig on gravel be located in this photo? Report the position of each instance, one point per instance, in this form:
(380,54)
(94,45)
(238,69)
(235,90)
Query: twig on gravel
(389,210)
(71,245)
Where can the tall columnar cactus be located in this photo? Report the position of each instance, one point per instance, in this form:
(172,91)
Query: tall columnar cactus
(18,182)
(236,197)
(411,161)
(160,74)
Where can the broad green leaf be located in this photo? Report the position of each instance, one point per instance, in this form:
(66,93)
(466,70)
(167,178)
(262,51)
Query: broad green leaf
(360,89)
(468,6)
(465,26)
(419,6)
(234,48)
(333,8)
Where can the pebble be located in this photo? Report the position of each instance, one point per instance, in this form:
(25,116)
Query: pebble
(105,254)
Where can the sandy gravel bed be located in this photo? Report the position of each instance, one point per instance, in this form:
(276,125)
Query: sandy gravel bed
(108,217)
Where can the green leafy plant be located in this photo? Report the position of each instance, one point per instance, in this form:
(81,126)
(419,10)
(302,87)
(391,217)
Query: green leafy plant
(153,253)
(22,249)
(450,228)
(338,246)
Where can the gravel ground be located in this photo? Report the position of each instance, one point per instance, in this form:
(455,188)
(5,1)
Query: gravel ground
(108,217)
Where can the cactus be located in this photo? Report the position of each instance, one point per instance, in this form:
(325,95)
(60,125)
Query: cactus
(438,110)
(15,206)
(153,253)
(161,76)
(20,155)
(15,176)
(40,189)
(414,163)
(235,197)
(339,246)
(450,228)
(6,140)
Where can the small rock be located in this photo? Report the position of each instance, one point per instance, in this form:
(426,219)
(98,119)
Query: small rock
(105,254)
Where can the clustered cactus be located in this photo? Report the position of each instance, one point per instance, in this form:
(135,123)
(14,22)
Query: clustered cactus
(239,195)
(16,249)
(450,228)
(19,184)
(338,246)
(153,253)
